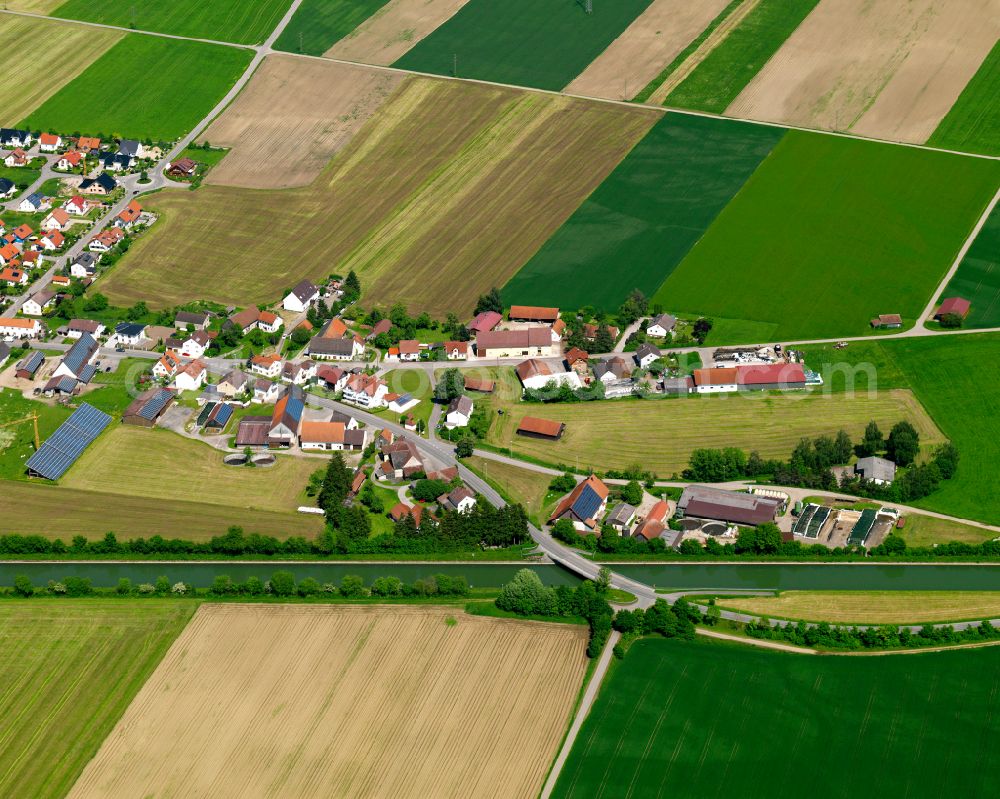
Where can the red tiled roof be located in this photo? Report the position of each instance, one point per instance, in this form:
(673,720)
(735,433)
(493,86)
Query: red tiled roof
(953,305)
(534,313)
(541,427)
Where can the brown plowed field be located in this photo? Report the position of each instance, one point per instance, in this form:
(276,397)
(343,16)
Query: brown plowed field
(447,191)
(646,47)
(394,30)
(360,701)
(290,120)
(879,68)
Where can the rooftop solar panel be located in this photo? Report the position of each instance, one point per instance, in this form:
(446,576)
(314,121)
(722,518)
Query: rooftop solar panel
(66,444)
(221,415)
(587,503)
(155,404)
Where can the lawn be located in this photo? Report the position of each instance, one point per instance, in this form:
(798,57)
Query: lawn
(444,193)
(416,383)
(69,669)
(539,43)
(973,123)
(17,441)
(661,434)
(241,21)
(176,83)
(318,24)
(696,719)
(830,232)
(873,607)
(63,52)
(717,80)
(927,531)
(523,486)
(978,276)
(20,175)
(646,216)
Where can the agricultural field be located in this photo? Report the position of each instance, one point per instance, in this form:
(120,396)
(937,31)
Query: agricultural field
(317,24)
(161,464)
(695,719)
(925,531)
(241,21)
(973,123)
(169,68)
(646,216)
(881,69)
(17,434)
(524,486)
(29,82)
(539,43)
(731,61)
(444,193)
(33,6)
(407,700)
(69,669)
(395,29)
(872,607)
(661,434)
(830,232)
(978,276)
(656,37)
(312,107)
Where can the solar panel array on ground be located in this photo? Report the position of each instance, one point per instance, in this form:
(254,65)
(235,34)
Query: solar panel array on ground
(862,527)
(66,444)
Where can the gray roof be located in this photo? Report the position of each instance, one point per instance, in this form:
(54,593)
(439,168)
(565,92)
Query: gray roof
(621,513)
(80,354)
(85,259)
(129,329)
(875,468)
(304,291)
(331,346)
(236,378)
(647,349)
(32,362)
(461,404)
(190,318)
(129,147)
(150,404)
(64,384)
(665,320)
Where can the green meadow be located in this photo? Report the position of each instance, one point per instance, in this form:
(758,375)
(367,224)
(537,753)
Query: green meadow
(319,24)
(697,719)
(973,123)
(717,80)
(241,21)
(638,225)
(539,43)
(978,276)
(830,232)
(144,87)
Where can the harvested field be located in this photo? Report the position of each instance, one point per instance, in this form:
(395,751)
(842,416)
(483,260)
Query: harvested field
(633,59)
(317,24)
(69,669)
(662,433)
(882,69)
(154,463)
(361,701)
(973,123)
(313,108)
(394,30)
(978,276)
(873,607)
(29,82)
(33,6)
(446,192)
(62,512)
(851,225)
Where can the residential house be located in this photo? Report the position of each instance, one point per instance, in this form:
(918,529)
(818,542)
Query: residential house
(116,162)
(269,322)
(167,366)
(459,500)
(876,470)
(612,370)
(661,326)
(244,321)
(646,354)
(266,365)
(301,297)
(195,344)
(331,378)
(127,334)
(8,188)
(49,142)
(233,383)
(38,303)
(409,350)
(535,374)
(576,361)
(182,168)
(68,161)
(10,254)
(532,313)
(129,215)
(76,206)
(88,144)
(106,240)
(456,350)
(655,522)
(15,137)
(132,149)
(191,376)
(15,327)
(266,391)
(330,436)
(84,265)
(78,361)
(584,505)
(102,184)
(399,460)
(16,158)
(52,240)
(77,327)
(334,328)
(287,418)
(21,233)
(58,219)
(335,349)
(33,203)
(590,331)
(14,276)
(621,517)
(459,412)
(368,391)
(531,341)
(59,282)
(299,373)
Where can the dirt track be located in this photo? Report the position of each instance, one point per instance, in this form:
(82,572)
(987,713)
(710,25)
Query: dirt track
(394,30)
(361,701)
(648,45)
(879,68)
(292,118)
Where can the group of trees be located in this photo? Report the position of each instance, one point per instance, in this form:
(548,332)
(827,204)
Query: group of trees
(403,327)
(671,621)
(527,596)
(562,392)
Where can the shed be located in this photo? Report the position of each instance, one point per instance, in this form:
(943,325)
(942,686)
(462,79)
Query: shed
(534,427)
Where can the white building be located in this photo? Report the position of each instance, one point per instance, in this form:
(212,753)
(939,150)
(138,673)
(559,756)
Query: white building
(459,412)
(300,297)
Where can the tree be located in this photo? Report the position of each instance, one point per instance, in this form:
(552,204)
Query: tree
(352,287)
(946,458)
(429,490)
(124,587)
(450,386)
(603,581)
(162,585)
(300,335)
(873,441)
(489,302)
(526,595)
(563,530)
(632,493)
(603,341)
(903,444)
(282,583)
(23,586)
(701,328)
(96,302)
(352,585)
(336,486)
(564,483)
(950,320)
(464,448)
(843,448)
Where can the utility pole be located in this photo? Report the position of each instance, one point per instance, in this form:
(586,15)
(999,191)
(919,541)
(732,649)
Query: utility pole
(454,65)
(300,42)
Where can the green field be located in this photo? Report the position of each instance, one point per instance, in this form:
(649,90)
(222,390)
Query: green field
(539,43)
(17,440)
(69,669)
(241,21)
(978,276)
(319,24)
(639,224)
(695,719)
(717,80)
(144,87)
(973,123)
(830,232)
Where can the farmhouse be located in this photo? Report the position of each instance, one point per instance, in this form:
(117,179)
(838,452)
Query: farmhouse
(78,361)
(38,303)
(887,320)
(286,419)
(301,297)
(14,327)
(368,391)
(576,359)
(662,326)
(621,517)
(654,524)
(584,505)
(459,412)
(531,341)
(484,322)
(590,331)
(612,370)
(956,306)
(333,435)
(191,376)
(750,377)
(409,350)
(456,350)
(646,354)
(334,349)
(252,431)
(400,459)
(533,427)
(876,470)
(196,319)
(459,500)
(148,407)
(716,380)
(532,313)
(733,507)
(535,375)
